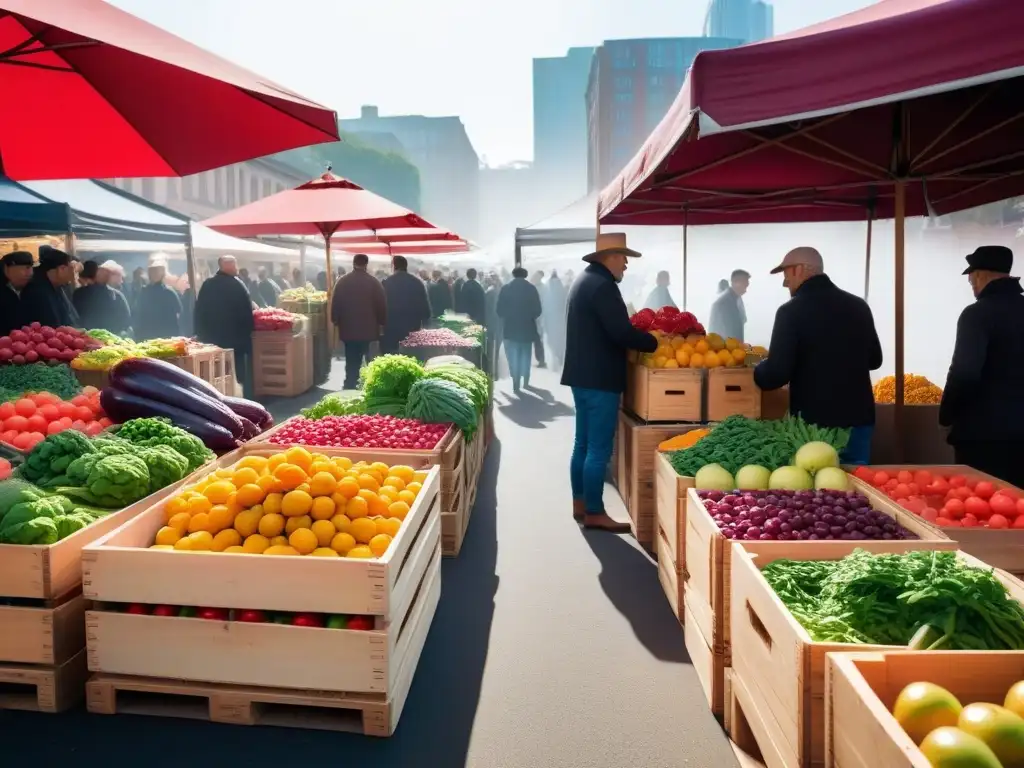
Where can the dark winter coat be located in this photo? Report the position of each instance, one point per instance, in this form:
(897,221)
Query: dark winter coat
(359,307)
(728,315)
(267,291)
(44,303)
(102,306)
(408,308)
(519,307)
(440,297)
(598,333)
(824,345)
(12,311)
(471,301)
(158,313)
(457,295)
(223,313)
(984,396)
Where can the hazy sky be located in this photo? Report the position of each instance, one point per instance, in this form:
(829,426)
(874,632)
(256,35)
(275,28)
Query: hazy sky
(442,57)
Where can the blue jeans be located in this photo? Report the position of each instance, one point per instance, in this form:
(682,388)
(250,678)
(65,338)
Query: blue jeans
(597,414)
(519,356)
(858,450)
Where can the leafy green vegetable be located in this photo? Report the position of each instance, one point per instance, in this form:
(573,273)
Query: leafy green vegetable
(108,338)
(40,377)
(72,523)
(739,441)
(51,457)
(384,405)
(929,599)
(390,376)
(166,466)
(35,530)
(114,482)
(473,380)
(438,401)
(14,491)
(336,404)
(160,431)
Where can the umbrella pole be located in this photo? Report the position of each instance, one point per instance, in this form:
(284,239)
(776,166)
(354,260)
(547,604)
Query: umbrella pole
(330,291)
(686,262)
(302,260)
(190,263)
(867,257)
(899,269)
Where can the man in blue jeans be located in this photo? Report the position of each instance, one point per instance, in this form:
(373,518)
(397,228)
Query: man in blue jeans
(598,335)
(824,346)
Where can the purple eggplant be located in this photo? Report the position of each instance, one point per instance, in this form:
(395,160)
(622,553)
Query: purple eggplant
(147,385)
(250,410)
(249,430)
(162,370)
(123,406)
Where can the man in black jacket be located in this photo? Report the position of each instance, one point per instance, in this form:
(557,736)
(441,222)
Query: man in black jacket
(440,294)
(17,271)
(824,345)
(598,335)
(471,298)
(519,307)
(223,317)
(408,308)
(983,402)
(44,300)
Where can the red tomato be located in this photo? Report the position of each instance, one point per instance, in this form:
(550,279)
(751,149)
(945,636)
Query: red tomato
(969,521)
(943,522)
(105,422)
(21,442)
(80,400)
(36,423)
(49,411)
(17,423)
(1020,507)
(9,435)
(1003,505)
(954,508)
(78,425)
(891,484)
(902,490)
(5,469)
(93,428)
(1018,522)
(34,438)
(865,474)
(67,409)
(881,478)
(929,514)
(6,411)
(90,391)
(904,476)
(923,477)
(978,507)
(915,504)
(939,485)
(24,407)
(957,481)
(984,490)
(54,427)
(963,493)
(998,521)
(84,413)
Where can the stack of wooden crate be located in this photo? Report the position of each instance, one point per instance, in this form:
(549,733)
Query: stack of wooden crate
(322,342)
(282,363)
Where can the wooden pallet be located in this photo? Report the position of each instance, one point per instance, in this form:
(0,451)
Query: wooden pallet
(39,688)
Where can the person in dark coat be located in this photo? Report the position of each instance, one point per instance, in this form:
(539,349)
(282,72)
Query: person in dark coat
(158,311)
(440,294)
(983,402)
(17,271)
(223,317)
(492,323)
(472,298)
(267,289)
(554,317)
(824,346)
(457,282)
(519,309)
(100,305)
(408,308)
(359,311)
(137,284)
(598,337)
(661,296)
(538,344)
(44,300)
(728,315)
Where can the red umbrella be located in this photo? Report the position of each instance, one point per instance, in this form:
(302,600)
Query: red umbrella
(406,249)
(398,236)
(102,93)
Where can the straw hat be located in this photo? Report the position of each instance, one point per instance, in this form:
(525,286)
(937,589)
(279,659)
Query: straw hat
(613,242)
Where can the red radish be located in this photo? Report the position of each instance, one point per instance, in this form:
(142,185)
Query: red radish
(437,337)
(362,432)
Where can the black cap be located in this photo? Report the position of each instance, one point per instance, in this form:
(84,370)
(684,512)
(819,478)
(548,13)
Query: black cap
(991,258)
(51,258)
(17,259)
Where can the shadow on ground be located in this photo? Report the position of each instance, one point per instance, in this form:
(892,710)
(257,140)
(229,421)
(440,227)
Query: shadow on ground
(533,408)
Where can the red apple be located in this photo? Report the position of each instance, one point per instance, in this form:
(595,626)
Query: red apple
(213,614)
(308,620)
(251,616)
(165,610)
(137,609)
(360,622)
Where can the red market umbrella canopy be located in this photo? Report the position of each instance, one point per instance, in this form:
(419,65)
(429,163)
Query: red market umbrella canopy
(398,236)
(821,124)
(405,249)
(94,92)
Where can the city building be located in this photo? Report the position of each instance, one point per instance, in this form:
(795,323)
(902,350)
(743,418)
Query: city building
(631,85)
(746,20)
(560,124)
(511,195)
(202,195)
(448,165)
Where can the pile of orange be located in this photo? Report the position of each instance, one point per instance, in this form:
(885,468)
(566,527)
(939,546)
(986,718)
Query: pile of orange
(292,503)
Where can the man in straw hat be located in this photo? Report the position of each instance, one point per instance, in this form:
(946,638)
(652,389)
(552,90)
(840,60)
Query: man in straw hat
(598,336)
(824,346)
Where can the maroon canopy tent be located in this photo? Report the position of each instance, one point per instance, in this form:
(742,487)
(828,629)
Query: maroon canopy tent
(907,107)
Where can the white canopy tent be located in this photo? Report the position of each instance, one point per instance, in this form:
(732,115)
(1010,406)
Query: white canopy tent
(206,243)
(576,223)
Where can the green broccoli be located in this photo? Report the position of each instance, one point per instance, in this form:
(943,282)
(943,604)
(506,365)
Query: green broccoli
(114,482)
(158,431)
(51,457)
(166,466)
(112,446)
(72,523)
(13,492)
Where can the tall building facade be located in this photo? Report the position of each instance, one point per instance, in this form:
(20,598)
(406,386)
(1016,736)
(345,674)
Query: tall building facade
(746,20)
(560,124)
(631,85)
(448,164)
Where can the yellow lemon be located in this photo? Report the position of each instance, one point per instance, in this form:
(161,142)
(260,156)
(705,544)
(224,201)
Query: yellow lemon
(324,552)
(162,546)
(202,541)
(279,541)
(244,476)
(398,509)
(226,538)
(393,481)
(303,540)
(219,518)
(259,463)
(247,522)
(407,496)
(281,550)
(223,473)
(670,363)
(180,522)
(711,360)
(379,544)
(322,484)
(290,476)
(275,461)
(341,523)
(300,457)
(739,355)
(234,551)
(342,543)
(175,506)
(272,503)
(357,507)
(362,552)
(725,357)
(323,508)
(682,358)
(363,529)
(348,487)
(402,471)
(183,544)
(296,503)
(199,522)
(368,481)
(218,492)
(732,344)
(198,504)
(381,467)
(271,525)
(696,360)
(249,495)
(295,523)
(415,487)
(342,462)
(167,535)
(323,530)
(701,347)
(388,525)
(255,544)
(389,493)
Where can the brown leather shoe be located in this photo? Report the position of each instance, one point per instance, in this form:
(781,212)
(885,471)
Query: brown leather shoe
(578,509)
(602,522)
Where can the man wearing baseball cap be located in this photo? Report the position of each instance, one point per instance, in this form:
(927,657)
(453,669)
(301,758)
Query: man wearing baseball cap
(983,402)
(17,271)
(824,346)
(598,336)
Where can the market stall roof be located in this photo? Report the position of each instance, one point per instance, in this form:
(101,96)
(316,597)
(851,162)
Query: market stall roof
(132,99)
(800,128)
(575,223)
(205,242)
(89,209)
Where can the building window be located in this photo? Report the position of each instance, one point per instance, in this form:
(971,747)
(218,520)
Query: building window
(623,83)
(624,98)
(266,187)
(657,81)
(218,187)
(254,189)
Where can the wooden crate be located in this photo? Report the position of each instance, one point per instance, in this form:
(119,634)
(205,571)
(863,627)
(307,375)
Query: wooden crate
(372,714)
(42,632)
(655,394)
(1003,549)
(282,363)
(774,403)
(732,392)
(748,729)
(635,471)
(670,506)
(707,663)
(781,668)
(264,654)
(707,560)
(39,688)
(670,575)
(861,689)
(454,522)
(121,568)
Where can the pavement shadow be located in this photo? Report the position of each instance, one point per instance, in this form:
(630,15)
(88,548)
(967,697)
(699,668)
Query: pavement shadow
(630,580)
(530,409)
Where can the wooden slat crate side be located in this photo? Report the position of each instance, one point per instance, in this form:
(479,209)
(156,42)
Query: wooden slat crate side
(664,394)
(707,663)
(732,392)
(282,364)
(47,635)
(453,525)
(669,575)
(751,728)
(44,688)
(670,506)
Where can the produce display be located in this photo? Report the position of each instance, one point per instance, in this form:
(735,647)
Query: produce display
(292,503)
(16,380)
(472,379)
(28,420)
(335,404)
(254,616)
(386,381)
(948,499)
(361,432)
(923,600)
(150,433)
(118,349)
(799,516)
(35,342)
(32,516)
(917,390)
(980,735)
(142,388)
(440,401)
(438,337)
(738,442)
(668,320)
(307,294)
(274,319)
(685,440)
